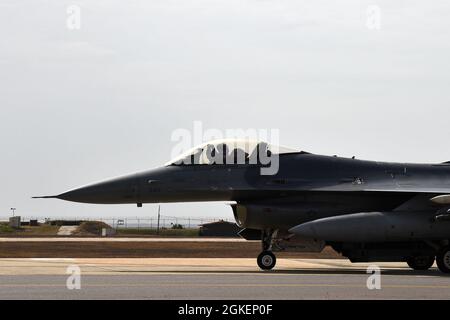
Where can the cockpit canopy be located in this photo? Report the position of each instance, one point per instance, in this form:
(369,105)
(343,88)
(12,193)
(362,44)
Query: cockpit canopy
(230,151)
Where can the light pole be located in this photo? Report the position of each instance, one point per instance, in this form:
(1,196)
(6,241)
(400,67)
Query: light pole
(159,217)
(13,211)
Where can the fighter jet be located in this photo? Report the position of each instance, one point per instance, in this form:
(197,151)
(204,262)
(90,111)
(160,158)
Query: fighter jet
(293,200)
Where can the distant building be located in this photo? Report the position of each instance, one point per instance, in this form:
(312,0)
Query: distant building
(34,223)
(61,223)
(31,223)
(219,229)
(14,222)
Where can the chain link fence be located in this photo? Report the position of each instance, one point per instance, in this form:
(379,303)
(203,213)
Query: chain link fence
(135,222)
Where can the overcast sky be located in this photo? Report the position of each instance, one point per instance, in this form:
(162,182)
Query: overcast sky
(78,106)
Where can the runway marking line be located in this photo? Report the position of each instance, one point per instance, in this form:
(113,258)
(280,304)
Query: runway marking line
(228,285)
(97,270)
(195,273)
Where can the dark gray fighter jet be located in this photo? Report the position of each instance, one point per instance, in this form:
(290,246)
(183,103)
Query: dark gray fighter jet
(294,200)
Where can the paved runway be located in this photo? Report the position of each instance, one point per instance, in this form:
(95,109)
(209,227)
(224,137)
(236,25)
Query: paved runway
(121,239)
(213,279)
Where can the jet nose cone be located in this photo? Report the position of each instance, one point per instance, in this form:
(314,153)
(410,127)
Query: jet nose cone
(119,190)
(306,230)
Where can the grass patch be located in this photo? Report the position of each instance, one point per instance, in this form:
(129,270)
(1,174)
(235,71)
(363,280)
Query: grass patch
(4,228)
(41,230)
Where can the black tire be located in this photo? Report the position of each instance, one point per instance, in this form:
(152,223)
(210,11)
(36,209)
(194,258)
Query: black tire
(443,259)
(266,260)
(420,262)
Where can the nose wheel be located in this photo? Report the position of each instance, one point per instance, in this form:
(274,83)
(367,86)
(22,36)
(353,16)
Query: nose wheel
(266,260)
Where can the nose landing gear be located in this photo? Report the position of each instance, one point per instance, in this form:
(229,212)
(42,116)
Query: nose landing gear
(266,259)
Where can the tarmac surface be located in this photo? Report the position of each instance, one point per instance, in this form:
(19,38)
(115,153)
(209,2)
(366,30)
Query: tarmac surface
(187,248)
(120,239)
(224,278)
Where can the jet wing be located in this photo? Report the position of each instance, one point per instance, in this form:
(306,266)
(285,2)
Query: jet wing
(439,204)
(387,188)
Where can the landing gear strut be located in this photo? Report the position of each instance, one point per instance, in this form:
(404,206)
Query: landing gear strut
(266,259)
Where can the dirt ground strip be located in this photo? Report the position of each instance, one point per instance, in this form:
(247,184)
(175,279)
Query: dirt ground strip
(101,249)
